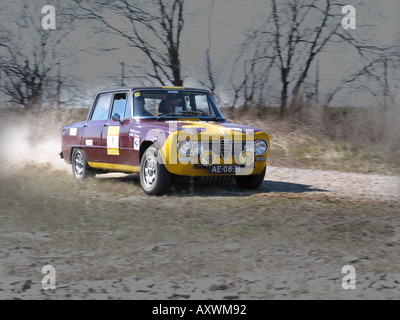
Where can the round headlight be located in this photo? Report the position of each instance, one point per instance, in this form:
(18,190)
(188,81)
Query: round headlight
(261,147)
(246,157)
(249,146)
(197,148)
(207,158)
(184,147)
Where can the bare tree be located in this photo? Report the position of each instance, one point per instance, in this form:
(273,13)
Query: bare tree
(301,30)
(29,60)
(153,27)
(295,34)
(250,88)
(210,79)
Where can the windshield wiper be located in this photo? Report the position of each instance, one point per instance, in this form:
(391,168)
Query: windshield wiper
(195,112)
(168,114)
(186,113)
(200,113)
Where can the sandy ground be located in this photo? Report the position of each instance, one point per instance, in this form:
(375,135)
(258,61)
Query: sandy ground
(289,239)
(340,185)
(106,239)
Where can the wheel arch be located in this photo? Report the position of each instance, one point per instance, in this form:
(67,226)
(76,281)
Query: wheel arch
(72,152)
(143,147)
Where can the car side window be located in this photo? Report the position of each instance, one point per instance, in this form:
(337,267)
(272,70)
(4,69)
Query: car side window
(128,106)
(100,111)
(119,104)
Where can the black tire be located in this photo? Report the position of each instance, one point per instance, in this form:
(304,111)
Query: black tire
(154,177)
(250,182)
(80,168)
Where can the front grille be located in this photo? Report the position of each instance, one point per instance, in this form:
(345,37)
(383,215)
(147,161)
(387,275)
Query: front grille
(226,147)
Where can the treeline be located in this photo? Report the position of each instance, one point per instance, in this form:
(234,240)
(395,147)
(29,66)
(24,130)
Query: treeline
(290,56)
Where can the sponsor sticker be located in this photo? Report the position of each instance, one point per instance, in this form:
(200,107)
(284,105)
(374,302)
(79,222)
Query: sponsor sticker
(136,143)
(113,140)
(113,152)
(89,142)
(72,131)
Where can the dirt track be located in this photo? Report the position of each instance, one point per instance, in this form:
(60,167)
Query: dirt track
(338,185)
(287,240)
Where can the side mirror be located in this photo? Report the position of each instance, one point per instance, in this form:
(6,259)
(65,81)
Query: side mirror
(116,117)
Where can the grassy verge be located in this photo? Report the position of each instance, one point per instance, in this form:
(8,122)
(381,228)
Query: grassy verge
(347,139)
(344,143)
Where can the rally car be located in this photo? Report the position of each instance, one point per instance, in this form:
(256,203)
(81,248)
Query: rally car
(163,132)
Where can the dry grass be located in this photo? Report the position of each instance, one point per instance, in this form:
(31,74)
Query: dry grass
(363,141)
(344,139)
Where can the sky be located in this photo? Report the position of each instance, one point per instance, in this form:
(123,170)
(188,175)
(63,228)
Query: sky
(229,22)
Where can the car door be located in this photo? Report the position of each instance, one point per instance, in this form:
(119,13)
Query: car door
(93,128)
(115,137)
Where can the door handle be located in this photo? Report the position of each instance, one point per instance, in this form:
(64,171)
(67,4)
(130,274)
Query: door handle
(105,125)
(85,125)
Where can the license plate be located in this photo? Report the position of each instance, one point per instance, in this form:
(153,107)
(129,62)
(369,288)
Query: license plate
(223,168)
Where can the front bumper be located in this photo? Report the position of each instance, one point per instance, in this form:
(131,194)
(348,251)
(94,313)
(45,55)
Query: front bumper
(192,166)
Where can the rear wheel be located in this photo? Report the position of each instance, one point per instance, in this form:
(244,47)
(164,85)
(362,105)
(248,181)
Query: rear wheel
(250,182)
(154,177)
(80,167)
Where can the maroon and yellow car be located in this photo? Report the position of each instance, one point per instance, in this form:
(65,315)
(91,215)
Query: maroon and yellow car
(160,132)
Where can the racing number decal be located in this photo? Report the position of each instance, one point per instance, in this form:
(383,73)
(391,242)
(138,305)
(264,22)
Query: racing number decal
(113,140)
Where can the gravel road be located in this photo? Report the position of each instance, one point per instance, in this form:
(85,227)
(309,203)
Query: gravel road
(363,187)
(288,240)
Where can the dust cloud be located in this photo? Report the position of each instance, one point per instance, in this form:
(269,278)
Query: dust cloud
(28,141)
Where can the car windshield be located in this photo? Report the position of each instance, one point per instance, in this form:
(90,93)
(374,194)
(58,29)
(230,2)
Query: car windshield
(165,104)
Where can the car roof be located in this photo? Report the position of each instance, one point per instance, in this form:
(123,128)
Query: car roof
(126,88)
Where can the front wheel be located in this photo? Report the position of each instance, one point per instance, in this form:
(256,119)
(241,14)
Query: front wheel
(250,182)
(80,167)
(154,177)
